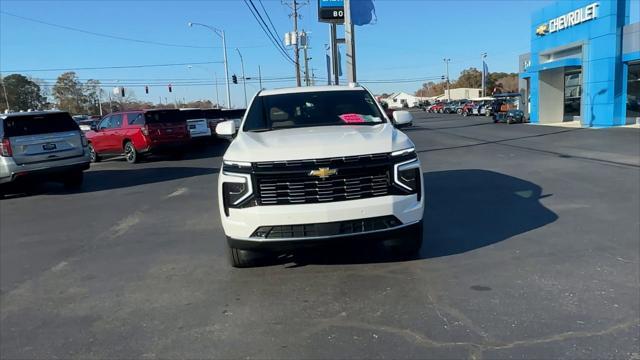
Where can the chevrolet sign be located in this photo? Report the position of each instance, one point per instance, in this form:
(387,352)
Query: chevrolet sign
(565,21)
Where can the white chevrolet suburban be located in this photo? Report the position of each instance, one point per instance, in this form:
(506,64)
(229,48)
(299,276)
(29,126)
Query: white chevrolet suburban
(314,164)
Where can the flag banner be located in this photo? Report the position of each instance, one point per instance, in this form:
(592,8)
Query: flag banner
(363,12)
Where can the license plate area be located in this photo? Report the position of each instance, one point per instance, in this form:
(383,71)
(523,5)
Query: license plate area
(49,147)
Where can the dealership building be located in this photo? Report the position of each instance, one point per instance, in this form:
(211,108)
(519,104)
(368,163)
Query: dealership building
(584,64)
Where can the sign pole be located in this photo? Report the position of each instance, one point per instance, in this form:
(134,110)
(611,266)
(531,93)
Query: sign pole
(350,42)
(334,54)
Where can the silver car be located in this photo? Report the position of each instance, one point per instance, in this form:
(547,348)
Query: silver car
(45,145)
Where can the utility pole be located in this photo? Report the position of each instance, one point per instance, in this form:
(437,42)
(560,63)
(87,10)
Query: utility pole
(305,45)
(446,63)
(350,41)
(260,77)
(296,47)
(294,38)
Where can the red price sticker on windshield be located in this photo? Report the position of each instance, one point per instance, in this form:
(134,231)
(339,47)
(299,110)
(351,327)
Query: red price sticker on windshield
(352,118)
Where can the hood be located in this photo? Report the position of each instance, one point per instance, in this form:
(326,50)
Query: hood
(316,143)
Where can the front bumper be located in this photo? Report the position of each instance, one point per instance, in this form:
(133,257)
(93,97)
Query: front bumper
(284,244)
(241,223)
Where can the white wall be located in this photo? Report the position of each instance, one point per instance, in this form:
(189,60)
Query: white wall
(551,93)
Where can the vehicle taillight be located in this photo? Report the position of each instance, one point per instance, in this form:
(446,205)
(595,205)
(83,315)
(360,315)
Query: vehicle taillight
(145,130)
(5,148)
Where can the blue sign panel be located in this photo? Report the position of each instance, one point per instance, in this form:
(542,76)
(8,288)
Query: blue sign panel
(331,11)
(331,3)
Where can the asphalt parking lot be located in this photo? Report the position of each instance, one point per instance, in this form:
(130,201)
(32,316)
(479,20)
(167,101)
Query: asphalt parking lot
(531,250)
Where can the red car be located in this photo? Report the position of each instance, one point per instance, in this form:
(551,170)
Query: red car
(437,108)
(138,132)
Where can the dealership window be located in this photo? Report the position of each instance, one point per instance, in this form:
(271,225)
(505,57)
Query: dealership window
(572,94)
(633,91)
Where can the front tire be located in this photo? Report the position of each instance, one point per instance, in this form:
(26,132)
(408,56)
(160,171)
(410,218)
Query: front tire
(240,258)
(130,153)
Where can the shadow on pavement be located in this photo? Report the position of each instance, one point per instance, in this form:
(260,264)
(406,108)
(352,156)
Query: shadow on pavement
(99,180)
(465,210)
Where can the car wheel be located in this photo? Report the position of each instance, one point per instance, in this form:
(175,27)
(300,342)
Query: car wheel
(410,242)
(93,155)
(459,111)
(240,258)
(465,113)
(73,180)
(130,153)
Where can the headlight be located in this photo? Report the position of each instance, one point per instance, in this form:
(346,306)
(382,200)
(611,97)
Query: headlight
(236,166)
(237,194)
(406,175)
(404,152)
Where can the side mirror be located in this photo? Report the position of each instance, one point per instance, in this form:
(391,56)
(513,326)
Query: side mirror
(94,127)
(226,129)
(402,118)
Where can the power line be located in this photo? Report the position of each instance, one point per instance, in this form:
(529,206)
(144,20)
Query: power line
(268,17)
(116,37)
(274,36)
(113,67)
(274,40)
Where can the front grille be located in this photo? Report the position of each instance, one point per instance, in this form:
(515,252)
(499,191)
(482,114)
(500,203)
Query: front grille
(335,188)
(338,228)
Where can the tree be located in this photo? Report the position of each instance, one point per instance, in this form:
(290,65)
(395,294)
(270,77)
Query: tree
(22,93)
(509,83)
(91,91)
(68,92)
(469,78)
(430,89)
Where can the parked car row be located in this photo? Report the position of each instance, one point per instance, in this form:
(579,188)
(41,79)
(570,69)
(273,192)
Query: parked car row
(54,146)
(502,107)
(138,133)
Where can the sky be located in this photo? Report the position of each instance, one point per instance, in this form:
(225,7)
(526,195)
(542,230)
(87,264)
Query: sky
(404,47)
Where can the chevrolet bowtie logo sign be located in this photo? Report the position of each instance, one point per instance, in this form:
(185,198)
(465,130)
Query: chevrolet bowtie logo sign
(542,30)
(323,172)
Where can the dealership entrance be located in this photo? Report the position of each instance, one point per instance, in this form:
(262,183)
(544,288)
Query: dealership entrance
(560,94)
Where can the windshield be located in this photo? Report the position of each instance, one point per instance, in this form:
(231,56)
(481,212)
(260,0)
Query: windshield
(322,108)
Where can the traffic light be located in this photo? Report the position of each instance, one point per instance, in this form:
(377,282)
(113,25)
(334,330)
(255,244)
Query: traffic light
(146,89)
(234,78)
(442,77)
(170,90)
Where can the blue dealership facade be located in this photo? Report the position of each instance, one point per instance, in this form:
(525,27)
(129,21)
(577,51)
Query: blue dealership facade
(584,64)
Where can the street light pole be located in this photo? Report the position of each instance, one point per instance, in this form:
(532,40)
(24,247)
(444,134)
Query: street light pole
(220,33)
(446,63)
(244,79)
(217,96)
(483,56)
